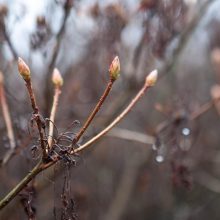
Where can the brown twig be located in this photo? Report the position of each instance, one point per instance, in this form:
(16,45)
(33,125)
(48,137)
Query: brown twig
(114,72)
(94,112)
(25,73)
(58,82)
(203,109)
(23,183)
(37,117)
(4,11)
(56,48)
(131,135)
(171,63)
(150,80)
(8,122)
(11,47)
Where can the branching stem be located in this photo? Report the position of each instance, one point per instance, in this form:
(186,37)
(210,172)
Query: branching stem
(116,121)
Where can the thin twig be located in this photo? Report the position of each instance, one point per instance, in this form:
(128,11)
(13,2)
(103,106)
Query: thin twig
(57,93)
(42,166)
(11,47)
(7,38)
(171,63)
(203,109)
(56,48)
(149,82)
(26,75)
(58,82)
(37,169)
(94,112)
(114,73)
(131,135)
(8,122)
(37,117)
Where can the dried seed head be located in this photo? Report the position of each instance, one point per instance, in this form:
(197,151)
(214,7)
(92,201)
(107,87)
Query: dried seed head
(114,69)
(1,78)
(57,78)
(23,69)
(152,78)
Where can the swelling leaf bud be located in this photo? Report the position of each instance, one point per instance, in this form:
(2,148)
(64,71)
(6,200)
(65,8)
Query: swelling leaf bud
(57,78)
(23,69)
(152,78)
(114,69)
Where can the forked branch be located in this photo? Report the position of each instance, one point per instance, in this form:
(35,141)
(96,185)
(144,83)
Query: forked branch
(150,81)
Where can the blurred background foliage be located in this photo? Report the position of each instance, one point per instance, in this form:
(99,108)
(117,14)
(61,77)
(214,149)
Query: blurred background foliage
(162,161)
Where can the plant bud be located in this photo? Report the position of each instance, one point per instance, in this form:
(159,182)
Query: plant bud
(23,69)
(57,78)
(152,78)
(114,69)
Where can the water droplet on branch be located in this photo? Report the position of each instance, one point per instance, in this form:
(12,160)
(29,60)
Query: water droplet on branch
(186,131)
(159,158)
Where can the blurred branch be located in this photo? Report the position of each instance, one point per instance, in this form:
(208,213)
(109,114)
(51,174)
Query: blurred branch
(208,181)
(3,15)
(178,116)
(126,185)
(170,64)
(47,92)
(131,135)
(8,122)
(11,47)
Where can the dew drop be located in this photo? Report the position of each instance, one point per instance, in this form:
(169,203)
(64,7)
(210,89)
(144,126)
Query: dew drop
(186,131)
(159,158)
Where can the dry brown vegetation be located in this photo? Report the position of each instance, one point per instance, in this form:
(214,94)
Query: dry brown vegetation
(66,153)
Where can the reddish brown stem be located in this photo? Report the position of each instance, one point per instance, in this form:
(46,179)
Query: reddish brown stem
(37,116)
(23,183)
(8,122)
(57,93)
(116,121)
(94,112)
